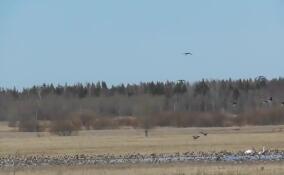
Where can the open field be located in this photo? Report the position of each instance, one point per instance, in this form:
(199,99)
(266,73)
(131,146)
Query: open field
(160,140)
(170,169)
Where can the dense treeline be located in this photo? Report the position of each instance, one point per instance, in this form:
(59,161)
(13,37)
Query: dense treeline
(95,105)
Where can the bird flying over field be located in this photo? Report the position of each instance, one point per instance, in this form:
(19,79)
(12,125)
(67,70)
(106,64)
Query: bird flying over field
(204,133)
(195,137)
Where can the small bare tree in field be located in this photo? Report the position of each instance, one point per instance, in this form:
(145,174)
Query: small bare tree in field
(148,109)
(63,127)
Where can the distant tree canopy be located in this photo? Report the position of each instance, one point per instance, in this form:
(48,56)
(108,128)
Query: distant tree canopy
(51,102)
(153,88)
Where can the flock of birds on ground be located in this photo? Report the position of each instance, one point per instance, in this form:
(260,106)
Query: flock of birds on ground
(29,161)
(13,161)
(247,152)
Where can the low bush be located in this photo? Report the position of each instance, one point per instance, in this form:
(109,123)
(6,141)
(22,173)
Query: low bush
(64,127)
(104,123)
(271,116)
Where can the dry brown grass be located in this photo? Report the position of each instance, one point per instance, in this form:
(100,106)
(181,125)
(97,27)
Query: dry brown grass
(160,140)
(169,169)
(123,141)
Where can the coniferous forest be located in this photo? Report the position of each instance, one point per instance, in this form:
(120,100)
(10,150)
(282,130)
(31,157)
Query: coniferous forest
(206,103)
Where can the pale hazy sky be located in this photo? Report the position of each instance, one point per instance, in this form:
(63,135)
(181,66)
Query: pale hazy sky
(120,41)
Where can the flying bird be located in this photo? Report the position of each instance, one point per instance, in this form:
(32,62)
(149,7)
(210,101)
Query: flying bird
(195,137)
(204,133)
(187,53)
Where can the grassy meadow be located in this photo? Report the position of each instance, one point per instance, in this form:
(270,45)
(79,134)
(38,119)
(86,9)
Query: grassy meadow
(160,140)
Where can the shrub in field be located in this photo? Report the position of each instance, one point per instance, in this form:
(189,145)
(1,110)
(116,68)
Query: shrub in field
(164,119)
(86,119)
(104,123)
(12,123)
(28,125)
(269,116)
(64,127)
(189,119)
(127,121)
(212,119)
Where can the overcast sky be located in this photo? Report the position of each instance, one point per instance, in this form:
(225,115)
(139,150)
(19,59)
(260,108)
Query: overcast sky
(127,41)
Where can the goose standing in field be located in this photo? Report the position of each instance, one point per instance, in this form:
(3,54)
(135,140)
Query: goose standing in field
(250,152)
(263,151)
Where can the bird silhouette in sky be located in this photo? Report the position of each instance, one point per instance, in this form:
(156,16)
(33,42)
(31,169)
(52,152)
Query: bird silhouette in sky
(187,53)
